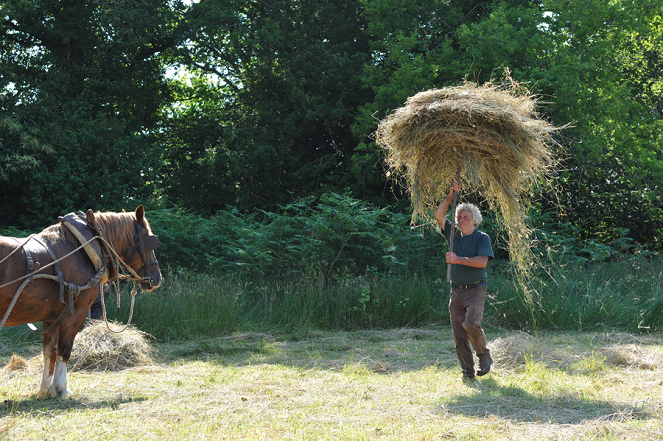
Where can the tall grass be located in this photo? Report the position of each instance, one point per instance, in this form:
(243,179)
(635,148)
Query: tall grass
(190,304)
(622,296)
(585,297)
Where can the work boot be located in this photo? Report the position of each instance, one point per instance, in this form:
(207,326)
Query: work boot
(484,364)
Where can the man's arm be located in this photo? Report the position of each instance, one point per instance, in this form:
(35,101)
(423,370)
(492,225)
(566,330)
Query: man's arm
(474,262)
(441,211)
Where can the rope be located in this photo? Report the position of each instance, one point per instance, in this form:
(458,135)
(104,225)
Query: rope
(131,311)
(11,305)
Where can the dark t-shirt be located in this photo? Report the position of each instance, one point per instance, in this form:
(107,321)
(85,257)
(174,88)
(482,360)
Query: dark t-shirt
(476,244)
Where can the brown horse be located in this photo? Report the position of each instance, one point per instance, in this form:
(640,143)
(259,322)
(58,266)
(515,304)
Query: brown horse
(43,297)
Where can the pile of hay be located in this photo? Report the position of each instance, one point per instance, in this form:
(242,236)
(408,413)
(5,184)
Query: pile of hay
(19,366)
(491,133)
(16,363)
(632,356)
(98,349)
(513,351)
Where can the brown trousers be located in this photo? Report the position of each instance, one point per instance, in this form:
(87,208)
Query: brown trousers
(466,311)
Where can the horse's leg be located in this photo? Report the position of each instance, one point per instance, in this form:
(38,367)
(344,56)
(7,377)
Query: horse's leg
(59,387)
(67,331)
(50,355)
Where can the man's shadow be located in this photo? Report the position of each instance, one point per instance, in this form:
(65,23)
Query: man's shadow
(513,403)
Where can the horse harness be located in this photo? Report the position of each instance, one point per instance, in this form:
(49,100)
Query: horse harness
(143,242)
(72,289)
(102,261)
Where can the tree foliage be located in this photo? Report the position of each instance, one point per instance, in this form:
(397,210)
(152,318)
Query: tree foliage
(253,105)
(82,84)
(267,115)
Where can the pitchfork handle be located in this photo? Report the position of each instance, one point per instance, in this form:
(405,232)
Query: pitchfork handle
(453,225)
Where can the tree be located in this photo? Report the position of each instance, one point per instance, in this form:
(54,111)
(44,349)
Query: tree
(595,65)
(84,78)
(266,114)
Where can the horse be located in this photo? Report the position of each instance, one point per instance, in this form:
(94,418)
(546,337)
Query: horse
(78,254)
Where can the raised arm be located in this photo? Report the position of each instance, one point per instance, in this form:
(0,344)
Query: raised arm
(441,211)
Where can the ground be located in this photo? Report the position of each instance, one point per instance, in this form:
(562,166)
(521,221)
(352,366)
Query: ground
(387,385)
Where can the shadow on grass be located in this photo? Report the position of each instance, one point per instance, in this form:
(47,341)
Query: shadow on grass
(381,351)
(515,404)
(50,405)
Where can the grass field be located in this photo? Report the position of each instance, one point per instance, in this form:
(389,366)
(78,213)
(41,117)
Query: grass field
(401,384)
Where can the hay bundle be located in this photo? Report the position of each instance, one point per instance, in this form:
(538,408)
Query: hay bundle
(96,348)
(19,366)
(491,133)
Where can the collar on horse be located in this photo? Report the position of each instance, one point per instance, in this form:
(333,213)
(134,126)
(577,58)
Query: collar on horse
(84,227)
(78,225)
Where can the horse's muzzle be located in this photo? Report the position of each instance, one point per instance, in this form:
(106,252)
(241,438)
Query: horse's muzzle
(149,283)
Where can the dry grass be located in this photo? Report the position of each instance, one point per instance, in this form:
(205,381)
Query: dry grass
(98,348)
(491,133)
(385,385)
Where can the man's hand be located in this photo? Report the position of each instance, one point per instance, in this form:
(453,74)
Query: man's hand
(455,187)
(474,262)
(441,212)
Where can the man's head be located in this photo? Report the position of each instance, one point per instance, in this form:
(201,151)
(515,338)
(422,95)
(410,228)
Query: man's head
(473,211)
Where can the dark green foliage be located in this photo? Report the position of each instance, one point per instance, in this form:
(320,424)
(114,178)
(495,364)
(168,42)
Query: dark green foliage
(280,99)
(265,147)
(82,85)
(332,235)
(267,118)
(338,263)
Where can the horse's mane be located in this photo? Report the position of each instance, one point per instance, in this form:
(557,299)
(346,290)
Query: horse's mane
(118,228)
(55,233)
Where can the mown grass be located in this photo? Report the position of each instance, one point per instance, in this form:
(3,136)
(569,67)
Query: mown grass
(401,384)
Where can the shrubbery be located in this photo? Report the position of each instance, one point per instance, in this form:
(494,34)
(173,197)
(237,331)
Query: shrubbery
(338,263)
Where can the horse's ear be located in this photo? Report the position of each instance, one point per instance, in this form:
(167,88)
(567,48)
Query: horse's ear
(89,217)
(140,214)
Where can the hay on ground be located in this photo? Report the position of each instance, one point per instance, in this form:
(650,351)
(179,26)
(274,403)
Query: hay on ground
(16,363)
(513,351)
(491,133)
(19,366)
(632,356)
(98,349)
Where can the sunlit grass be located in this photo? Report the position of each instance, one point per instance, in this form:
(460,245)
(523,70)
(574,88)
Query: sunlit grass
(402,384)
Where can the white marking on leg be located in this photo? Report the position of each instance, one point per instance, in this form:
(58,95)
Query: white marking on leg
(59,387)
(46,379)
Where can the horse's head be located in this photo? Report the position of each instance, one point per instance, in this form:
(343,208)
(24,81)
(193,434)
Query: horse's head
(132,238)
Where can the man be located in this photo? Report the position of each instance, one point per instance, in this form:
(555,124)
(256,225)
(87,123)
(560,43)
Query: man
(471,253)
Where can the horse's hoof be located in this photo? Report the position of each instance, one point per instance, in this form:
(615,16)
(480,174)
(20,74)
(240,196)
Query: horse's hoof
(64,393)
(43,393)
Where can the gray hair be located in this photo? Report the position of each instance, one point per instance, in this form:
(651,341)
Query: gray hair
(474,211)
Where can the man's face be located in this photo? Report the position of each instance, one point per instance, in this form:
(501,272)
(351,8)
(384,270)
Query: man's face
(465,220)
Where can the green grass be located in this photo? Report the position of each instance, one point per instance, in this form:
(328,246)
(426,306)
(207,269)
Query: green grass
(400,384)
(624,296)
